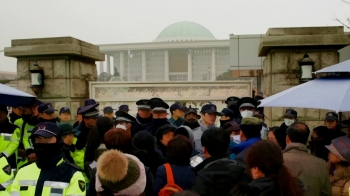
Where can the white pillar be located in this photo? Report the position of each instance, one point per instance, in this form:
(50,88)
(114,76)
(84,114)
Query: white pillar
(115,63)
(213,66)
(108,64)
(101,67)
(144,73)
(166,65)
(189,66)
(121,64)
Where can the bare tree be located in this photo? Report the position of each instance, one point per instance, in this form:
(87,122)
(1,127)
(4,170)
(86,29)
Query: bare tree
(345,23)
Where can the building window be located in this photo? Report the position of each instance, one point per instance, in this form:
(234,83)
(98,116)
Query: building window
(178,77)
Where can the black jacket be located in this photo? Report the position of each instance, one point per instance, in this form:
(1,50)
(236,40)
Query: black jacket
(140,124)
(258,187)
(217,176)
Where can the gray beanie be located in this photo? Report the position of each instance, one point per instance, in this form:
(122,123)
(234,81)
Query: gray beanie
(185,131)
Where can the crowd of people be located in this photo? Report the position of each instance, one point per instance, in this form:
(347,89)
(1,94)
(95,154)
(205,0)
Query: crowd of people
(186,155)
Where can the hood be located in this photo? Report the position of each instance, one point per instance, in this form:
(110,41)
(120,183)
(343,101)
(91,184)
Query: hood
(135,189)
(221,173)
(295,147)
(189,131)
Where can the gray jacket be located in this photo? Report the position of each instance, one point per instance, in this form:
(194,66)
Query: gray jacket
(197,135)
(312,171)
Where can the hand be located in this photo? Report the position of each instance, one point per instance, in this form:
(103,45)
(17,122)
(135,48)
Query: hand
(32,157)
(22,153)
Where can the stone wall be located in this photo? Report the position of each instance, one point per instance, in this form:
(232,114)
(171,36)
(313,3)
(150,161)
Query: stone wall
(282,71)
(68,65)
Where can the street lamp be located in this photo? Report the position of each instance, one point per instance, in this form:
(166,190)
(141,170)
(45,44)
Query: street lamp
(36,79)
(306,67)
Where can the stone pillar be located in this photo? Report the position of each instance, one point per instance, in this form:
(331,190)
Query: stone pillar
(166,65)
(213,66)
(143,65)
(189,66)
(101,68)
(68,64)
(108,64)
(121,64)
(283,48)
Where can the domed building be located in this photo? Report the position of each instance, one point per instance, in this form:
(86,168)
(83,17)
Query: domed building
(184,51)
(184,31)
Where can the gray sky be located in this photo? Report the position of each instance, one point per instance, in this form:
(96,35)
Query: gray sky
(125,21)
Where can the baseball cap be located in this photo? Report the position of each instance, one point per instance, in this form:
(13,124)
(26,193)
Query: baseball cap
(232,101)
(291,113)
(46,108)
(331,116)
(177,106)
(123,108)
(226,112)
(250,124)
(108,109)
(209,108)
(47,129)
(64,110)
(340,147)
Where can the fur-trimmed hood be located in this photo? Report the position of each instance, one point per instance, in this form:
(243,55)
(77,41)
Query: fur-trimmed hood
(136,189)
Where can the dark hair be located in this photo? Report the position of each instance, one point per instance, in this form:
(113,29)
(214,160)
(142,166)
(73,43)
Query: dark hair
(185,193)
(251,131)
(267,156)
(321,131)
(118,139)
(280,135)
(216,141)
(298,132)
(179,150)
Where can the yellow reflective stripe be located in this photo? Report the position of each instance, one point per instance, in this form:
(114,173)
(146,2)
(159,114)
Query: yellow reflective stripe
(7,183)
(14,140)
(56,184)
(15,193)
(6,154)
(27,182)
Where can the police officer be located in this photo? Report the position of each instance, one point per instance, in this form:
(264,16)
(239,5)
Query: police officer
(177,112)
(108,112)
(64,114)
(191,118)
(30,118)
(226,116)
(9,137)
(15,116)
(6,176)
(47,113)
(50,174)
(125,120)
(79,118)
(232,105)
(159,116)
(143,116)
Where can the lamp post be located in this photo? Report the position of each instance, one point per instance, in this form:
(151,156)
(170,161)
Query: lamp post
(306,67)
(36,79)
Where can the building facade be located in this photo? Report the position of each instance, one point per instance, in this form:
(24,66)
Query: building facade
(183,51)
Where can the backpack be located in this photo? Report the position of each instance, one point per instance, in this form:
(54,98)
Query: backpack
(170,188)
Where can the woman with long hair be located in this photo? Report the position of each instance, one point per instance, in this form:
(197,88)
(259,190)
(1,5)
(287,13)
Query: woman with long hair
(271,177)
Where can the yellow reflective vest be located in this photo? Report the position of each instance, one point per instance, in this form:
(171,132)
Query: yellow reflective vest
(27,143)
(6,177)
(9,142)
(26,180)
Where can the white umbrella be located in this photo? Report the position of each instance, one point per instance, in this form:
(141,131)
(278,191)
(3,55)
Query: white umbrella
(340,67)
(328,93)
(12,97)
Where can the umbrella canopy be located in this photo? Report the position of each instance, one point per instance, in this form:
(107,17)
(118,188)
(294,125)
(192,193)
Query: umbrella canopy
(323,93)
(12,97)
(340,67)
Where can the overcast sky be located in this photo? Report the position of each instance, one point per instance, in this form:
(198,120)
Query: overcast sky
(125,21)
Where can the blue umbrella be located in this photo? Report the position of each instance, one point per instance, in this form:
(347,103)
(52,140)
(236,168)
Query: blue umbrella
(340,67)
(323,93)
(12,97)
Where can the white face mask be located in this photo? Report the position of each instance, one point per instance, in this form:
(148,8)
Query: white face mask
(236,139)
(246,113)
(288,122)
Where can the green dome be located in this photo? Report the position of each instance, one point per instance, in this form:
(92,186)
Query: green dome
(184,31)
